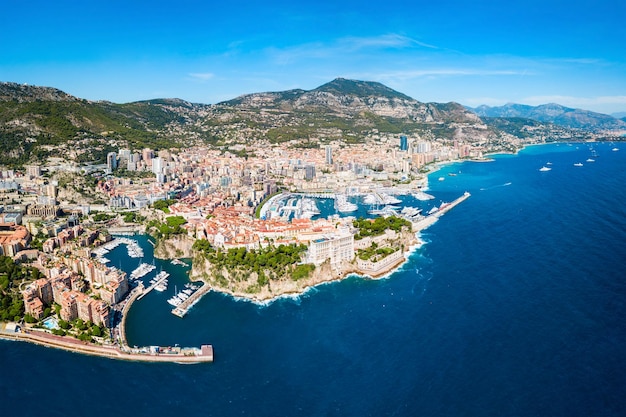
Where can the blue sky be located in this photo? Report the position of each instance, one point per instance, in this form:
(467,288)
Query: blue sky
(472,52)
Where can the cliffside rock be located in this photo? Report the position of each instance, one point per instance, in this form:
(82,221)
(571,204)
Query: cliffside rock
(174,247)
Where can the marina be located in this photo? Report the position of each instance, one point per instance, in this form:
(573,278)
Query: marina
(156,282)
(142,270)
(182,309)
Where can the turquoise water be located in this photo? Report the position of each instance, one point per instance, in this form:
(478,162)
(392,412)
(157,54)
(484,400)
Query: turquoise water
(51,323)
(513,307)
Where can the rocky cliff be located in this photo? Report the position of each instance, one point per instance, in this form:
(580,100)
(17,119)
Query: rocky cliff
(245,284)
(178,246)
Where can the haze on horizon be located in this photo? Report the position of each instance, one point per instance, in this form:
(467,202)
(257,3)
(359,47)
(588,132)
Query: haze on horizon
(490,52)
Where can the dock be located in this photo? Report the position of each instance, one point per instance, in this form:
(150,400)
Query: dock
(151,287)
(184,307)
(447,207)
(429,220)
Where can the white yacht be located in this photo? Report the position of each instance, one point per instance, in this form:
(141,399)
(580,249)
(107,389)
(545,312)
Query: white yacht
(342,204)
(389,199)
(422,196)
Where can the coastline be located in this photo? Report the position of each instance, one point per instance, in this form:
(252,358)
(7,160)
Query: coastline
(205,353)
(42,338)
(349,270)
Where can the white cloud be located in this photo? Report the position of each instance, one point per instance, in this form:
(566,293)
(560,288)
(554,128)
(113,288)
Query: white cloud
(391,40)
(343,46)
(202,76)
(441,72)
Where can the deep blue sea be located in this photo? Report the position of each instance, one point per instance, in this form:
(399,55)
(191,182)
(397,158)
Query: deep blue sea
(515,306)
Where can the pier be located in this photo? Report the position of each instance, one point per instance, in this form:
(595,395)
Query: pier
(429,220)
(145,354)
(184,307)
(447,207)
(151,287)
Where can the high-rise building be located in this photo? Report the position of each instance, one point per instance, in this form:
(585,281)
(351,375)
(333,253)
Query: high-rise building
(309,172)
(423,147)
(147,154)
(111,161)
(404,143)
(329,155)
(157,165)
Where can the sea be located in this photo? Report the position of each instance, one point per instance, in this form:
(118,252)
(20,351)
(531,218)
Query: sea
(515,305)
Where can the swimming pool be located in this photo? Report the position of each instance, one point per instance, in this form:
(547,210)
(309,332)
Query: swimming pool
(51,323)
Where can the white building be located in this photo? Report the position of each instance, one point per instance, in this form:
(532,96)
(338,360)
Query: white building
(337,248)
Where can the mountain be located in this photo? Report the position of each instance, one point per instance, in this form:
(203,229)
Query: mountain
(342,109)
(39,122)
(554,113)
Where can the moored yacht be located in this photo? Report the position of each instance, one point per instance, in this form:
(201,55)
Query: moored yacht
(342,204)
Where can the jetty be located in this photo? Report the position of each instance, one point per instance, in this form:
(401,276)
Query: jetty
(151,287)
(144,354)
(445,207)
(184,307)
(429,220)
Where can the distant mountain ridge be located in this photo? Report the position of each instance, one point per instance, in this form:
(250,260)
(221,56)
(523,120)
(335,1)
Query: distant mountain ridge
(356,107)
(554,113)
(40,122)
(25,92)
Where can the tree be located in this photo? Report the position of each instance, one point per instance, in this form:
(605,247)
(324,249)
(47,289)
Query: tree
(29,319)
(96,331)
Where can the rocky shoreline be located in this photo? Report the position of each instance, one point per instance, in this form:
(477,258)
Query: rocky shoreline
(202,270)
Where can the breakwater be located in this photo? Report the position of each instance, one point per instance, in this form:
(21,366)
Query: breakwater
(147,354)
(429,220)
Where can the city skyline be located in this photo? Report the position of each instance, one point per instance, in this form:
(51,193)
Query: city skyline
(484,53)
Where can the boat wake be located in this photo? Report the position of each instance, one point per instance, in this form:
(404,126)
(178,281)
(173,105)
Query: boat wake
(506,184)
